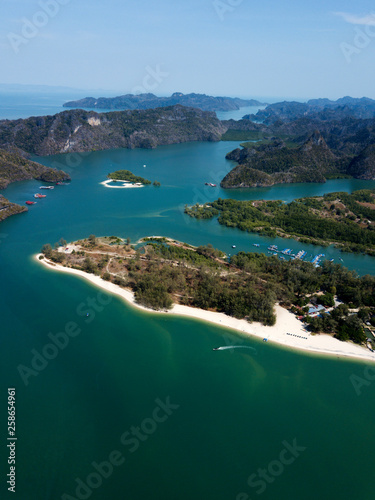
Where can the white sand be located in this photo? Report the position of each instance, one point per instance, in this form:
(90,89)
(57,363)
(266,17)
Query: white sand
(288,330)
(125,184)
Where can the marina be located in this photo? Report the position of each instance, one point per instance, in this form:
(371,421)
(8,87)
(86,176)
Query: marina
(300,255)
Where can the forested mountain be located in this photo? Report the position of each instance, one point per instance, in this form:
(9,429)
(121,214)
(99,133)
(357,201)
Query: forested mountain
(14,167)
(317,109)
(79,131)
(7,208)
(275,162)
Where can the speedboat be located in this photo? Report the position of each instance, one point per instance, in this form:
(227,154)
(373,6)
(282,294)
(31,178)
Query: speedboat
(216,349)
(30,202)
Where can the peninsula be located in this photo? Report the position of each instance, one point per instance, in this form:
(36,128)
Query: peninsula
(345,220)
(249,289)
(15,167)
(7,208)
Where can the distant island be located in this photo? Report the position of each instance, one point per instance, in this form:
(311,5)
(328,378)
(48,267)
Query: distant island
(151,101)
(164,274)
(317,109)
(346,220)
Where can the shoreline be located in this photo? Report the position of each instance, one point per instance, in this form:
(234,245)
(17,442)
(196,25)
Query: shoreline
(288,330)
(125,185)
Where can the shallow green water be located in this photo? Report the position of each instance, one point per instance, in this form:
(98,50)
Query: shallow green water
(236,407)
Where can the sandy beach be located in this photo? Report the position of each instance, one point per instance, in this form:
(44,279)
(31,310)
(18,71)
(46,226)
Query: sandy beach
(125,184)
(288,330)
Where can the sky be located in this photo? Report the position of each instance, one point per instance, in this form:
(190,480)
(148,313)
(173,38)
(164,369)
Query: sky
(245,48)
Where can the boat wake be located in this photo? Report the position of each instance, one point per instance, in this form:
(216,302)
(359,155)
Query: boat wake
(234,347)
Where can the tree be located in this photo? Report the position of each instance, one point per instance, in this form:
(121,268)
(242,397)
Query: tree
(92,239)
(47,250)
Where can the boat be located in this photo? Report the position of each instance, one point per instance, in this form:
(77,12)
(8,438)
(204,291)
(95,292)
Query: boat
(216,349)
(256,245)
(144,166)
(46,187)
(301,254)
(38,195)
(30,202)
(265,340)
(210,184)
(233,246)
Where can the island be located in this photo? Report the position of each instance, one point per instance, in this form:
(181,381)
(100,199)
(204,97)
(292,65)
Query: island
(127,180)
(127,176)
(151,101)
(345,220)
(327,309)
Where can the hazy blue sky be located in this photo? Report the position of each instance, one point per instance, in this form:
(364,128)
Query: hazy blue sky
(221,47)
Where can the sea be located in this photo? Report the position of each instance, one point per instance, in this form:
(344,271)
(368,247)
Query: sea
(113,403)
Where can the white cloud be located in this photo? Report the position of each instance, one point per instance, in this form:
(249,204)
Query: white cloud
(368,19)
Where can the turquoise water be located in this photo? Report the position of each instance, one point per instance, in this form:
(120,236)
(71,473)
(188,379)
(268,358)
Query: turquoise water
(236,408)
